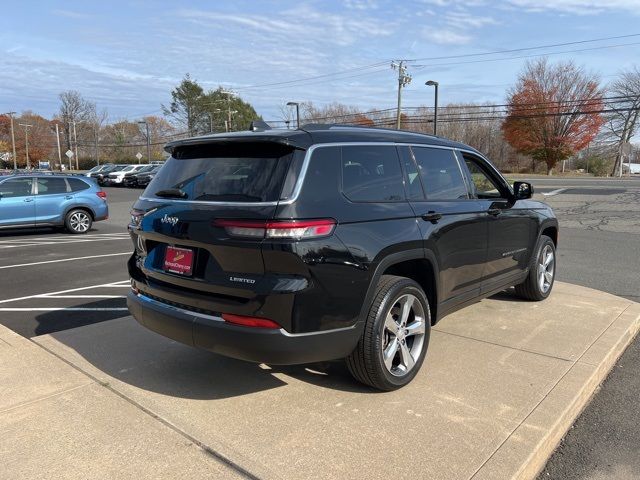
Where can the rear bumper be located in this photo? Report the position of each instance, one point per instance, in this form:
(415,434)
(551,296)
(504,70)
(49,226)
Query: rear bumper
(277,347)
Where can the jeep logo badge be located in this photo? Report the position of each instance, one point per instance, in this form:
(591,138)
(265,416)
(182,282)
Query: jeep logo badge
(168,219)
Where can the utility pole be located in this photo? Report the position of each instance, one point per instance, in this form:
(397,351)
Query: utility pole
(404,79)
(13,140)
(210,122)
(26,140)
(75,139)
(58,140)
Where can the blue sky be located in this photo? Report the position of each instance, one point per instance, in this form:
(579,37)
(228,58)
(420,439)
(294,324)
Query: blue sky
(127,55)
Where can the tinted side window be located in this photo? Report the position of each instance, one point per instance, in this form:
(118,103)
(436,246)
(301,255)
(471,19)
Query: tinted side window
(413,184)
(77,185)
(483,185)
(440,174)
(371,174)
(48,186)
(17,187)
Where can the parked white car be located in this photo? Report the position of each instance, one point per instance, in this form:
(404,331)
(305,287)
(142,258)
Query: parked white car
(117,177)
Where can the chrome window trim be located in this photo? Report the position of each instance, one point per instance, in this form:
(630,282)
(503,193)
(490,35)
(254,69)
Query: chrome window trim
(303,173)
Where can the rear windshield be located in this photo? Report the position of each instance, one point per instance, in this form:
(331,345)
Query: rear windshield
(240,172)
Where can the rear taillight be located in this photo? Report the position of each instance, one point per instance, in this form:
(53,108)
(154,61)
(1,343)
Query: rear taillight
(102,194)
(249,321)
(136,217)
(292,229)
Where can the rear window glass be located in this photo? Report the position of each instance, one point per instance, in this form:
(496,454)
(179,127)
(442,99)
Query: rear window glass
(371,174)
(225,172)
(48,186)
(77,185)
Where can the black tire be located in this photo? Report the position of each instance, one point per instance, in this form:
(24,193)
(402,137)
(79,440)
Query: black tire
(534,288)
(366,362)
(78,221)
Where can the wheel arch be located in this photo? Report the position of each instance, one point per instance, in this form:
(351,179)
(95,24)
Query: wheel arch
(416,264)
(86,208)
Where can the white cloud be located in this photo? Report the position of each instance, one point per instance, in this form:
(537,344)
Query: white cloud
(71,14)
(465,19)
(445,37)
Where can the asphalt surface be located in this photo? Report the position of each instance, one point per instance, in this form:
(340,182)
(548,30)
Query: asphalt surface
(51,280)
(48,284)
(599,247)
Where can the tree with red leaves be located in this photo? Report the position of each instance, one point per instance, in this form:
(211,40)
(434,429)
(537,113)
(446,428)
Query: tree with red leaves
(553,112)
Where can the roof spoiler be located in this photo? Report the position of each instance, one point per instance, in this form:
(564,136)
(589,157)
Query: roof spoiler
(259,126)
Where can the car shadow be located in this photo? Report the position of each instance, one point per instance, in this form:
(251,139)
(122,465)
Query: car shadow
(508,295)
(123,350)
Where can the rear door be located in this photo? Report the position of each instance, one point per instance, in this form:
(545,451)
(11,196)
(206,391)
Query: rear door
(453,225)
(52,199)
(17,202)
(199,221)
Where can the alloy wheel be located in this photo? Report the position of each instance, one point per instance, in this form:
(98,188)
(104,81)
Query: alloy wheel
(79,222)
(546,268)
(403,335)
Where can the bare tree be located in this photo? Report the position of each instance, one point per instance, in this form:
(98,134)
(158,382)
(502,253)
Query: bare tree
(74,108)
(622,124)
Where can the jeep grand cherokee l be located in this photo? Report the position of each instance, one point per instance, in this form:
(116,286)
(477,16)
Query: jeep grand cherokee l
(330,242)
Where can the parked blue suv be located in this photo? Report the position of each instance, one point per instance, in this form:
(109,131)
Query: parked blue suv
(28,201)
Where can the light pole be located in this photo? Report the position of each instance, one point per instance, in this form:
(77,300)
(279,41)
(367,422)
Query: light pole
(26,139)
(434,84)
(291,104)
(146,124)
(13,140)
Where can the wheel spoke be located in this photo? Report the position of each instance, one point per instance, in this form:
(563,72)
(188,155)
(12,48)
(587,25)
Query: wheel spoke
(416,327)
(405,357)
(390,324)
(541,279)
(548,259)
(548,277)
(390,352)
(407,304)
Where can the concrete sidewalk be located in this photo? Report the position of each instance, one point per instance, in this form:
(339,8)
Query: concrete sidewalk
(502,383)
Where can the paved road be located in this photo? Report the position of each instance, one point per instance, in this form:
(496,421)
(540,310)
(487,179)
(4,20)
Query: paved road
(600,248)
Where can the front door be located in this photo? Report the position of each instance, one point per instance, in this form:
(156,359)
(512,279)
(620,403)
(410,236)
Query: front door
(510,227)
(17,205)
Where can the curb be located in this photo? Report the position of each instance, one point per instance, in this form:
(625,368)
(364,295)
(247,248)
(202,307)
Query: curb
(533,441)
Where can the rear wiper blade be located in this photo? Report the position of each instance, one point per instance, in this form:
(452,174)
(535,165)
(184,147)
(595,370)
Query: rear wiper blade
(171,193)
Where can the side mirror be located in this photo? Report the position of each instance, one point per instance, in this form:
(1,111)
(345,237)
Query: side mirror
(522,190)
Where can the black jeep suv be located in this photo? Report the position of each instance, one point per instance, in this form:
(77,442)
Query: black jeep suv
(330,242)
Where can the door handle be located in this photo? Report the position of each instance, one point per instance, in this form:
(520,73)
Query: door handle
(494,212)
(28,199)
(431,216)
(68,197)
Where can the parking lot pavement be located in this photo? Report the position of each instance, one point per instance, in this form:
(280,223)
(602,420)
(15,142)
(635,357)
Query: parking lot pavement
(495,395)
(51,280)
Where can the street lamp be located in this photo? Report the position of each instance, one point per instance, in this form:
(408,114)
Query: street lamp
(432,83)
(291,104)
(26,139)
(146,124)
(13,140)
